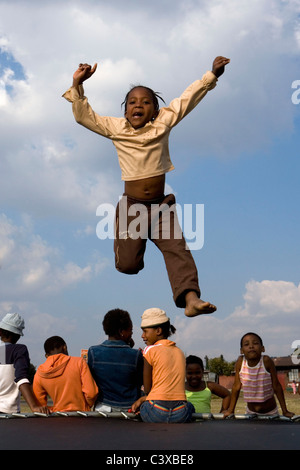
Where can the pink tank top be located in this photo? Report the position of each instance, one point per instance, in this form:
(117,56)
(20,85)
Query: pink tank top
(256,382)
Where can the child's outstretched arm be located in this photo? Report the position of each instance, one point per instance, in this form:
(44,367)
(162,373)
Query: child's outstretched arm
(83,72)
(218,67)
(269,365)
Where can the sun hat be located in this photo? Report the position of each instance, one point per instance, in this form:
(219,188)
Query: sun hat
(14,323)
(153,316)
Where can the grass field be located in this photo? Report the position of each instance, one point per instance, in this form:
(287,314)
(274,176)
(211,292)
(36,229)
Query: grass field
(292,402)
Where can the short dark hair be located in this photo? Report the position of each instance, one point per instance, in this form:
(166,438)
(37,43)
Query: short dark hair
(116,320)
(254,334)
(154,96)
(194,360)
(52,343)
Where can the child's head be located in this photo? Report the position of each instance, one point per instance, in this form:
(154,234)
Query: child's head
(117,324)
(11,327)
(194,371)
(251,345)
(55,345)
(141,106)
(156,325)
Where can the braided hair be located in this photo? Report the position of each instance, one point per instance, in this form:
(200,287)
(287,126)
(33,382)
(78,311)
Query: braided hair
(155,95)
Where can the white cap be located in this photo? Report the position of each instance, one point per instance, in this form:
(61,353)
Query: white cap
(14,323)
(153,316)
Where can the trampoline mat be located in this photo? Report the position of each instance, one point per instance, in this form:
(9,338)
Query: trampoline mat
(113,435)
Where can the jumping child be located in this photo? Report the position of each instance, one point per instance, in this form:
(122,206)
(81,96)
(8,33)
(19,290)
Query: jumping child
(256,373)
(141,140)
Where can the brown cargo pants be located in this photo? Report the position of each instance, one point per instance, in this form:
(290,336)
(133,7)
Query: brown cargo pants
(139,220)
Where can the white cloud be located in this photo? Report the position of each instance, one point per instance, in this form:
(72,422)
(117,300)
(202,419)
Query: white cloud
(39,326)
(44,325)
(31,268)
(271,309)
(272,298)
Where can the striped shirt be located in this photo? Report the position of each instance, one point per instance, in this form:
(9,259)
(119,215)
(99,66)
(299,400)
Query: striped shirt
(256,382)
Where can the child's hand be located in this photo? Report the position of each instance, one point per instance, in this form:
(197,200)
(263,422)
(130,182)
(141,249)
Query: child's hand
(41,409)
(136,405)
(83,72)
(219,65)
(226,413)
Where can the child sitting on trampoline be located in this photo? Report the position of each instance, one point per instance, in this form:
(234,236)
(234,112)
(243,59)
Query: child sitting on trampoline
(14,368)
(66,379)
(141,140)
(164,373)
(256,374)
(115,365)
(198,391)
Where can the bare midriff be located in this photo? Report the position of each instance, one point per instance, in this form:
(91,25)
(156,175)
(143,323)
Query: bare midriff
(264,407)
(147,188)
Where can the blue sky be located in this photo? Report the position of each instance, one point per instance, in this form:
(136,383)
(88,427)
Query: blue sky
(237,154)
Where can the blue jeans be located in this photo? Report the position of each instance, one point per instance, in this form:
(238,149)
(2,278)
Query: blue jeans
(166,412)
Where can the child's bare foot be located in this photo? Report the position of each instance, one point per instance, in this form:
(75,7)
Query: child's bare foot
(196,306)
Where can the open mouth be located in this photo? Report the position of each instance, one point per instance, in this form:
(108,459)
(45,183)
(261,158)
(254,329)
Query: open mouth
(137,114)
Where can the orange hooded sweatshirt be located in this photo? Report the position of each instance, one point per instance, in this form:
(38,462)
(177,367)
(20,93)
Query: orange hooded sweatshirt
(68,381)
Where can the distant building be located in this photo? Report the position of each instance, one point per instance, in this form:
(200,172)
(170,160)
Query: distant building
(288,369)
(210,376)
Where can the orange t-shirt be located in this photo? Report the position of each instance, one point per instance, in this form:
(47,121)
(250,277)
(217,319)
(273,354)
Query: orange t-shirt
(168,371)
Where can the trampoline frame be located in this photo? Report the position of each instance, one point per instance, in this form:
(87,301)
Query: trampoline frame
(133,416)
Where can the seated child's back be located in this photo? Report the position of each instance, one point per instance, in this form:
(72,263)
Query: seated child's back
(66,379)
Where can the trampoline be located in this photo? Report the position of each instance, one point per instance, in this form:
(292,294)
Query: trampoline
(121,435)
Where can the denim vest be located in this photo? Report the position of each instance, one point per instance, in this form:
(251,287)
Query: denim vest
(118,372)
